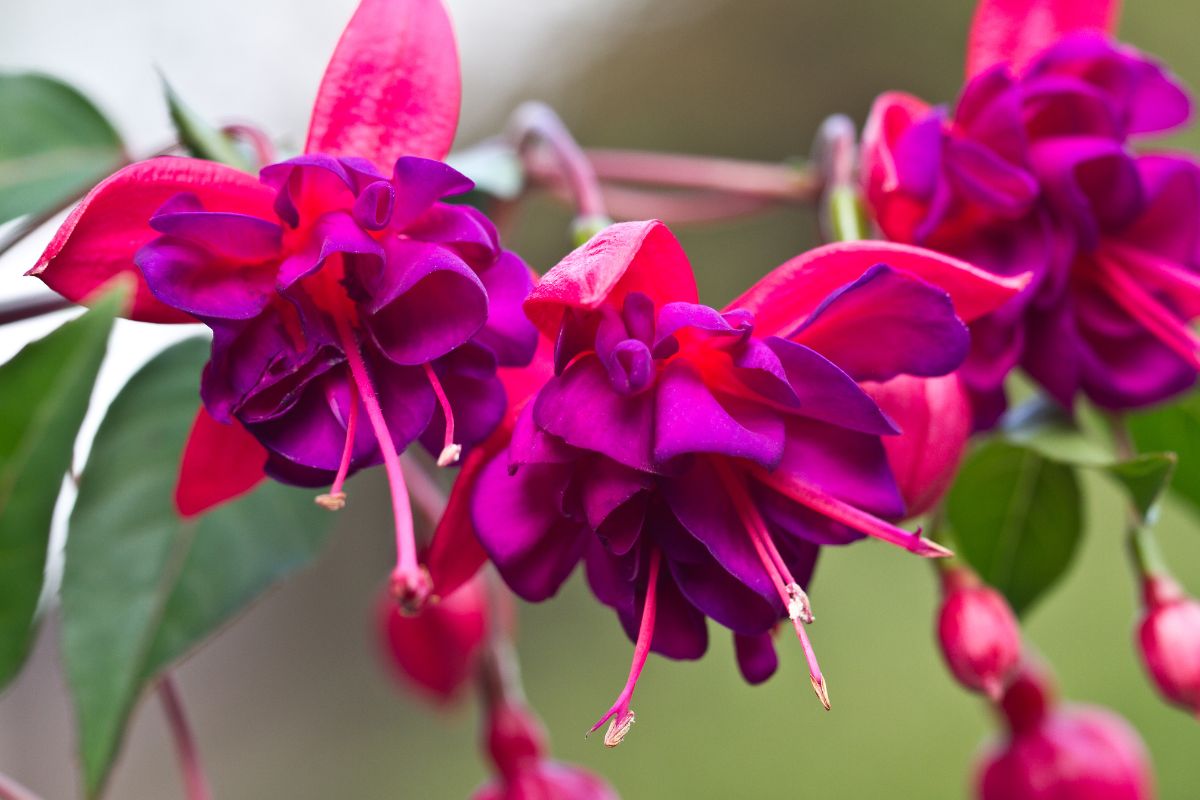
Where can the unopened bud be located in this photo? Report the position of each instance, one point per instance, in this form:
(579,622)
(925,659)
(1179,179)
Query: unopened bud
(1169,641)
(979,636)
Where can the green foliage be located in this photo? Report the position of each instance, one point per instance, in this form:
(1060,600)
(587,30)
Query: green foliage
(53,144)
(1017,519)
(198,136)
(1146,478)
(46,389)
(1175,427)
(142,586)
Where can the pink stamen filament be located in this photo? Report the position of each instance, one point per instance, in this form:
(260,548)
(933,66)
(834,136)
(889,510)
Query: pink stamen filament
(789,591)
(409,584)
(859,520)
(1146,309)
(336,499)
(450,450)
(622,718)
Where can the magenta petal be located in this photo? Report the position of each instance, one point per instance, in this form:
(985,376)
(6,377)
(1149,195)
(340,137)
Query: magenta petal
(508,332)
(723,597)
(421,182)
(426,302)
(887,323)
(520,524)
(531,445)
(1014,32)
(186,277)
(336,232)
(689,419)
(309,182)
(237,237)
(676,317)
(608,485)
(985,178)
(392,87)
(756,657)
(572,405)
(1092,182)
(1166,226)
(462,228)
(680,629)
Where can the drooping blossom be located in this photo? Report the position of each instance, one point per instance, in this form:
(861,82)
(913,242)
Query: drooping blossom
(1168,638)
(353,310)
(978,633)
(1040,167)
(436,650)
(1055,752)
(695,460)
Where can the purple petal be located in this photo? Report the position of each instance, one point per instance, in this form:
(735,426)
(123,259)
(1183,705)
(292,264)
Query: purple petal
(308,182)
(420,182)
(756,657)
(335,233)
(676,317)
(1092,182)
(232,237)
(425,303)
(689,419)
(887,323)
(508,332)
(721,596)
(373,208)
(184,276)
(606,485)
(981,176)
(532,445)
(461,228)
(581,407)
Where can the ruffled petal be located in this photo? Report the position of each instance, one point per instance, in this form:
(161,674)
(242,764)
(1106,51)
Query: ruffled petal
(508,332)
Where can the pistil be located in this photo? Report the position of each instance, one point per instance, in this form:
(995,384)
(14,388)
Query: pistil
(410,583)
(1140,304)
(450,449)
(335,500)
(620,714)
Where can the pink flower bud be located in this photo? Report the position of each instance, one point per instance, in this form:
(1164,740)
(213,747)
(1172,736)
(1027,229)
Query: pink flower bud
(1062,753)
(516,744)
(978,633)
(435,650)
(934,417)
(1169,639)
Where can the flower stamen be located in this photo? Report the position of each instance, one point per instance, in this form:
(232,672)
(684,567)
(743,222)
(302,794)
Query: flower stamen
(410,583)
(620,714)
(335,500)
(794,598)
(1140,304)
(451,451)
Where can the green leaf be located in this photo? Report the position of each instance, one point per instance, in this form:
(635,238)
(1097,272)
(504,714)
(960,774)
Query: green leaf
(494,167)
(198,136)
(53,144)
(46,389)
(1174,428)
(1017,519)
(1043,425)
(1146,477)
(141,586)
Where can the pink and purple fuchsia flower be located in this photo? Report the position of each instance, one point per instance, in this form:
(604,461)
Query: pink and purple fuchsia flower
(696,460)
(1035,170)
(353,310)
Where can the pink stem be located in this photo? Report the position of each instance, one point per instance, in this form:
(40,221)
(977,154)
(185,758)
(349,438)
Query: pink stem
(536,122)
(620,714)
(735,176)
(407,575)
(11,790)
(450,451)
(339,481)
(264,149)
(194,782)
(811,497)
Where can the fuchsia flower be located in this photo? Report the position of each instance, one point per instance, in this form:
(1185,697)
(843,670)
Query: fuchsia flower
(337,284)
(436,650)
(696,459)
(978,633)
(1035,169)
(1169,642)
(1062,753)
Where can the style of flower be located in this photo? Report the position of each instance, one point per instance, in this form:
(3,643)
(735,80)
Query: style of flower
(695,460)
(336,284)
(1039,168)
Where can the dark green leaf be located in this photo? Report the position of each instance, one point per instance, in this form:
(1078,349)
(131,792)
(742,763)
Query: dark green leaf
(53,144)
(1017,519)
(198,136)
(1146,477)
(141,586)
(45,394)
(1174,428)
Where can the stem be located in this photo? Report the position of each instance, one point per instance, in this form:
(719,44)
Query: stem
(532,123)
(24,308)
(11,790)
(728,175)
(194,782)
(499,669)
(1144,551)
(835,152)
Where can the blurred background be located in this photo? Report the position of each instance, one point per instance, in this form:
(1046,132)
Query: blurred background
(291,702)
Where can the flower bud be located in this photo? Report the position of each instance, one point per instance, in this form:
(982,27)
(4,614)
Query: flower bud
(1169,639)
(1062,753)
(435,650)
(978,633)
(934,417)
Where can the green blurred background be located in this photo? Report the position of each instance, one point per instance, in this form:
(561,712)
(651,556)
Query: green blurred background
(290,701)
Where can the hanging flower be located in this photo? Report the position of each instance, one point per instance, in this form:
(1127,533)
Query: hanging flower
(696,459)
(352,309)
(1039,168)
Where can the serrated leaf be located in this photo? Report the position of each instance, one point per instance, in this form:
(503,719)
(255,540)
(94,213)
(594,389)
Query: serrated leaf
(1017,519)
(1174,428)
(200,138)
(53,144)
(141,586)
(1145,477)
(44,394)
